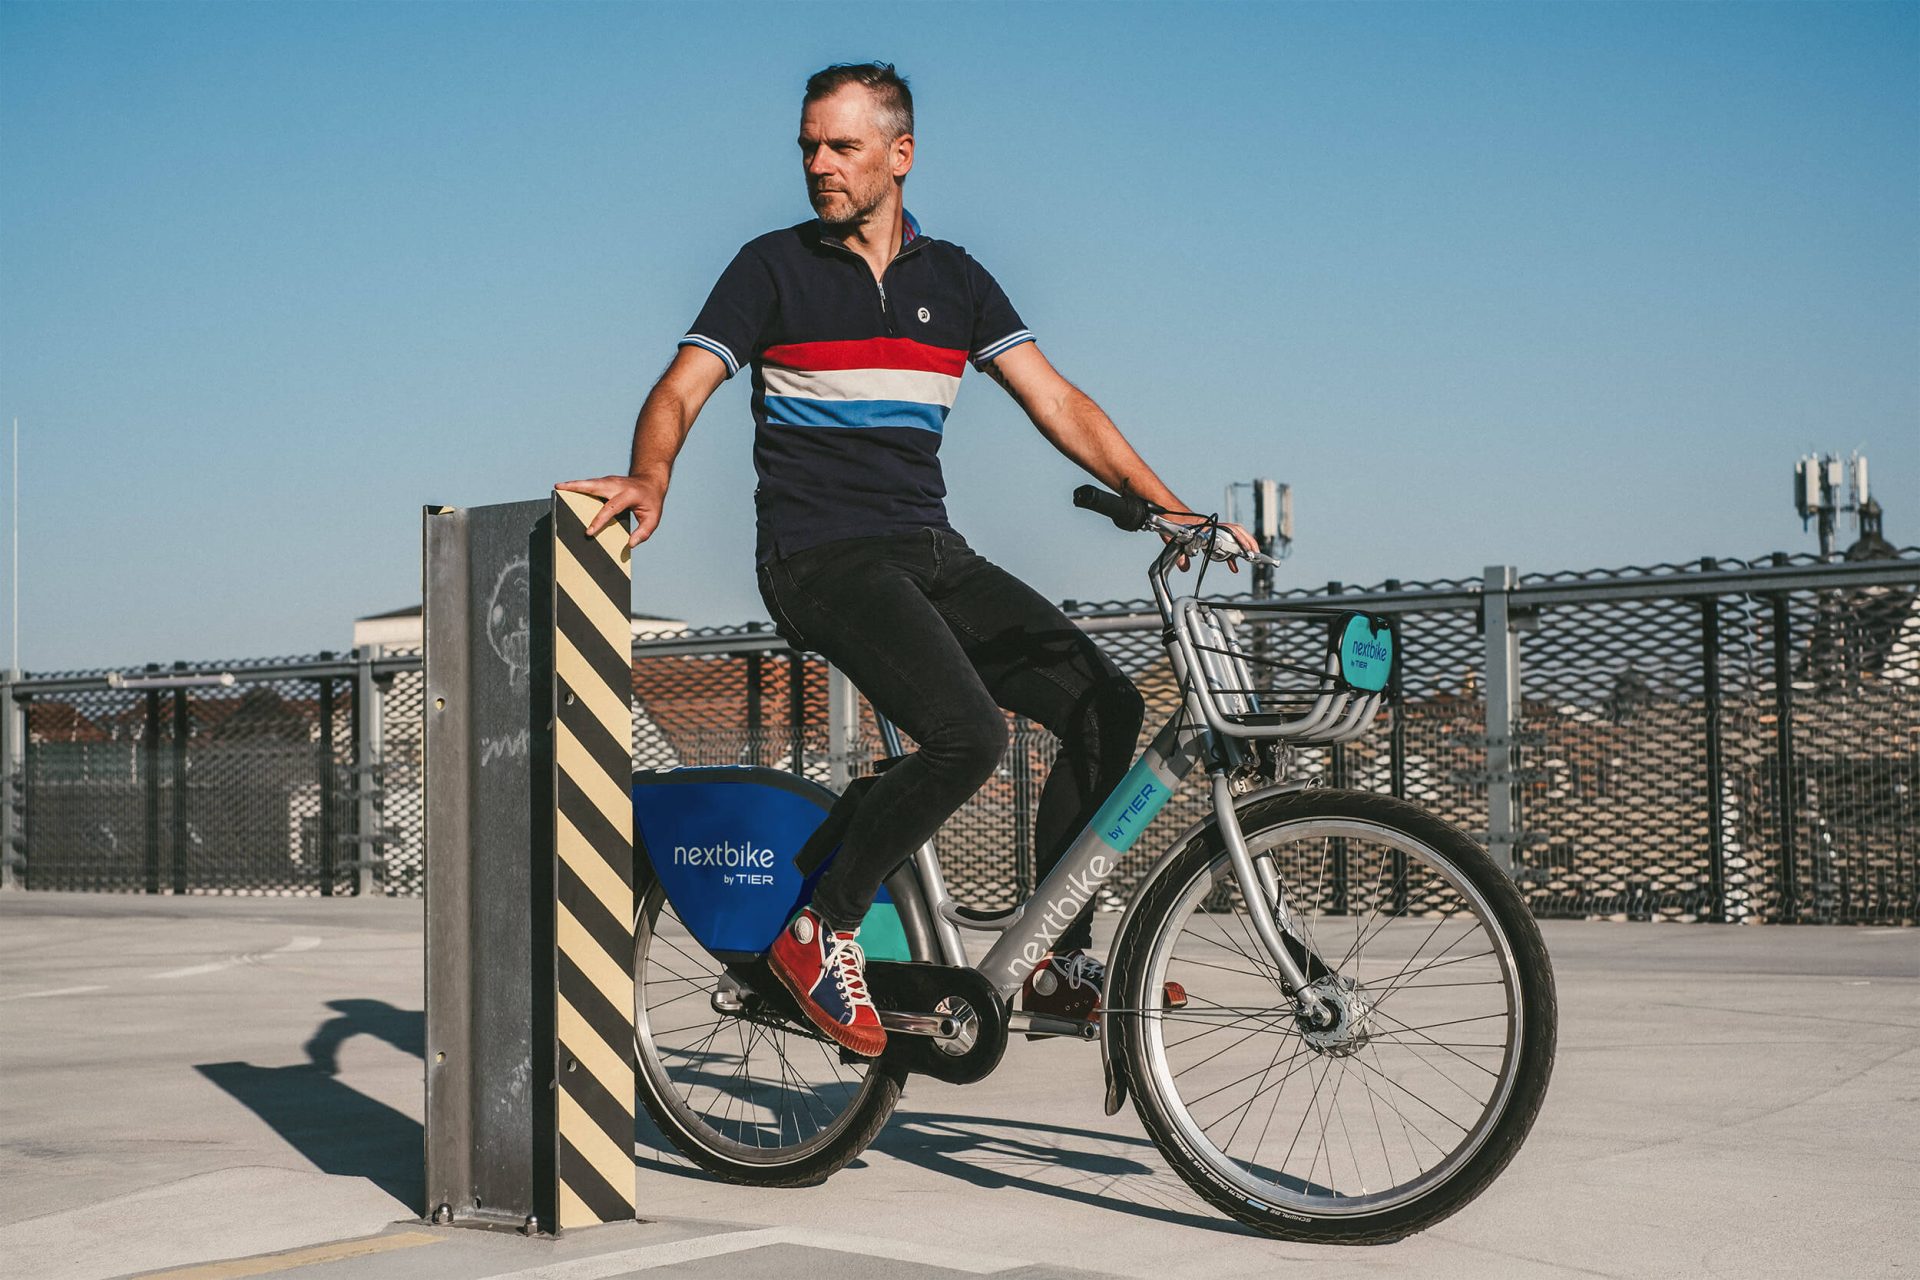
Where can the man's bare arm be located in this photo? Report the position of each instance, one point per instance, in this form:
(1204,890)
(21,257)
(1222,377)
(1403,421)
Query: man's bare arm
(665,419)
(1079,428)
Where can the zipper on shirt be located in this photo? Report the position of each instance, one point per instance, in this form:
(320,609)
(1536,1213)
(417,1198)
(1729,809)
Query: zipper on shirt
(880,282)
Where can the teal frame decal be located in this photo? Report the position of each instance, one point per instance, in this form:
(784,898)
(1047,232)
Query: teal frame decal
(1131,807)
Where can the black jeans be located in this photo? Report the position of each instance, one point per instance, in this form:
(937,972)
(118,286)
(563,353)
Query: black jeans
(939,639)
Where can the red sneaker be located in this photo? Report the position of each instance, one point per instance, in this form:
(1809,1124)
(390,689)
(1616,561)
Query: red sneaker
(826,972)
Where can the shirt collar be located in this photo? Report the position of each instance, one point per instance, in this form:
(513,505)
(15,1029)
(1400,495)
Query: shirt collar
(909,231)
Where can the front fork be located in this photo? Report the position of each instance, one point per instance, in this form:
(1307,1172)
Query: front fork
(1260,883)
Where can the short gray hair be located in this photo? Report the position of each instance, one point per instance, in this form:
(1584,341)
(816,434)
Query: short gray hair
(892,99)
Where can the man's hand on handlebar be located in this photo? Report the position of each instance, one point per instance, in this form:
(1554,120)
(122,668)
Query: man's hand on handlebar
(1216,551)
(644,498)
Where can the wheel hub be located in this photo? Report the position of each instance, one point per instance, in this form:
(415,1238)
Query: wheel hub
(1344,1024)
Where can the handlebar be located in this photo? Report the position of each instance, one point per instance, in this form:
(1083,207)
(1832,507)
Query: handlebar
(1127,512)
(1135,514)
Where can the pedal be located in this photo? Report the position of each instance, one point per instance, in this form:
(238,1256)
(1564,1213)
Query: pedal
(935,1026)
(1040,1026)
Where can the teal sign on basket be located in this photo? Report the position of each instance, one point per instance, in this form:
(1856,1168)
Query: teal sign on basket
(1366,655)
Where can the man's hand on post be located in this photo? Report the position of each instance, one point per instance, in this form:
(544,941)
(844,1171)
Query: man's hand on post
(623,493)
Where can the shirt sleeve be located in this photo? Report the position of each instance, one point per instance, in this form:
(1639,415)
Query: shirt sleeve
(996,325)
(737,312)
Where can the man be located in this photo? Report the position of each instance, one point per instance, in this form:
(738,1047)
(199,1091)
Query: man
(858,328)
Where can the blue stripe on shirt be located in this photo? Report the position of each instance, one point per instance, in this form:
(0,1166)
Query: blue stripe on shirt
(798,411)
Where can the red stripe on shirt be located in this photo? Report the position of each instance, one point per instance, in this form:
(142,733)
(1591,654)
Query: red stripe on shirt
(867,353)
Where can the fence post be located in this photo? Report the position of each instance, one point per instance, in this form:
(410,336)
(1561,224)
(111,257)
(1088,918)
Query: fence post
(182,726)
(1716,796)
(797,711)
(1020,764)
(843,728)
(369,846)
(756,713)
(1783,748)
(13,782)
(329,852)
(1503,714)
(150,783)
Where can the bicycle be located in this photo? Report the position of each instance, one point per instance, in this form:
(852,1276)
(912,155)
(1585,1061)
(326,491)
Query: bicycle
(1388,957)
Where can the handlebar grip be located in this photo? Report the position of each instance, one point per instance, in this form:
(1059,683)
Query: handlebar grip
(1127,512)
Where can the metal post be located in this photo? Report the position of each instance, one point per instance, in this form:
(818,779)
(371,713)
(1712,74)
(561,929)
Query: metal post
(150,784)
(1503,714)
(182,729)
(329,850)
(1783,749)
(369,847)
(797,711)
(1020,764)
(1397,748)
(1716,797)
(756,716)
(843,729)
(529,900)
(13,782)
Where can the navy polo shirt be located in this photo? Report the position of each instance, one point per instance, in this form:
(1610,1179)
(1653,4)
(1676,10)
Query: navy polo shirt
(852,377)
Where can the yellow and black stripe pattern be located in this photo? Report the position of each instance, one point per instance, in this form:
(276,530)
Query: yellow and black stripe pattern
(593,878)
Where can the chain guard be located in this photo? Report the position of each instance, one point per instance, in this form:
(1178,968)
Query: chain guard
(916,987)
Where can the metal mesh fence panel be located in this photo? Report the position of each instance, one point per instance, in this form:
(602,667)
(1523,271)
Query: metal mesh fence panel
(1614,788)
(1683,753)
(241,788)
(396,780)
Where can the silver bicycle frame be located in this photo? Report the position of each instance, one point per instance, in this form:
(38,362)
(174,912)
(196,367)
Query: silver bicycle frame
(1028,931)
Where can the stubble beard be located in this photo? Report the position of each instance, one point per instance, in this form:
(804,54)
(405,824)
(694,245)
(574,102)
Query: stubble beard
(860,206)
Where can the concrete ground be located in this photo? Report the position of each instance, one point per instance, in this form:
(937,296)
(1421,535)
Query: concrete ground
(186,1080)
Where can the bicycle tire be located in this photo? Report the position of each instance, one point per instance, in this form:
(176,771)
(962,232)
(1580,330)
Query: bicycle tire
(837,1124)
(1276,1197)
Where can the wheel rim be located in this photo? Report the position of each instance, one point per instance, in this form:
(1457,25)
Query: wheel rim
(1391,1100)
(762,1092)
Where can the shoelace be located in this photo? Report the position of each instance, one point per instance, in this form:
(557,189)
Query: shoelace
(847,961)
(1082,970)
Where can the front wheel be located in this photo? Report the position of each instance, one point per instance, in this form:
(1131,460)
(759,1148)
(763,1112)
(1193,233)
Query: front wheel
(1425,1070)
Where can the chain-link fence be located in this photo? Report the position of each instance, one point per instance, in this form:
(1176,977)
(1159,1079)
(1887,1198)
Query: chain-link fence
(1721,741)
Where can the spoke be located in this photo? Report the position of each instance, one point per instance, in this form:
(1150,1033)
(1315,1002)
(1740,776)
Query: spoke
(1246,1108)
(1417,1098)
(1231,1083)
(1393,1038)
(1407,1127)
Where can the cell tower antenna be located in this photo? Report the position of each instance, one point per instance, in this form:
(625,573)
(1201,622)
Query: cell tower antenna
(1270,523)
(1817,483)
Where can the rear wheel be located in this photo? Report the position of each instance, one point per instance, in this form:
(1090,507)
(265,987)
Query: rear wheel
(746,1094)
(1418,1084)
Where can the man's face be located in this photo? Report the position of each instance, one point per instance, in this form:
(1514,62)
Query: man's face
(851,164)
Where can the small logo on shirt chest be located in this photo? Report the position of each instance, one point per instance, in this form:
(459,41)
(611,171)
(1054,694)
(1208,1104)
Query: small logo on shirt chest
(925,315)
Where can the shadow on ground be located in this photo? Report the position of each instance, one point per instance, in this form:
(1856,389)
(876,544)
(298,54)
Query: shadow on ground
(340,1129)
(1120,1173)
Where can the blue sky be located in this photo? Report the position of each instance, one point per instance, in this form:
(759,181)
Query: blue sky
(1560,285)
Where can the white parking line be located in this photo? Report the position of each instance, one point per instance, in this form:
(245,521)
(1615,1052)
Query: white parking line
(648,1257)
(57,991)
(302,943)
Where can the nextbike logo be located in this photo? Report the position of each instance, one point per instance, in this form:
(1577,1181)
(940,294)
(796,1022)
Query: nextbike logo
(1124,824)
(1059,913)
(725,854)
(1370,649)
